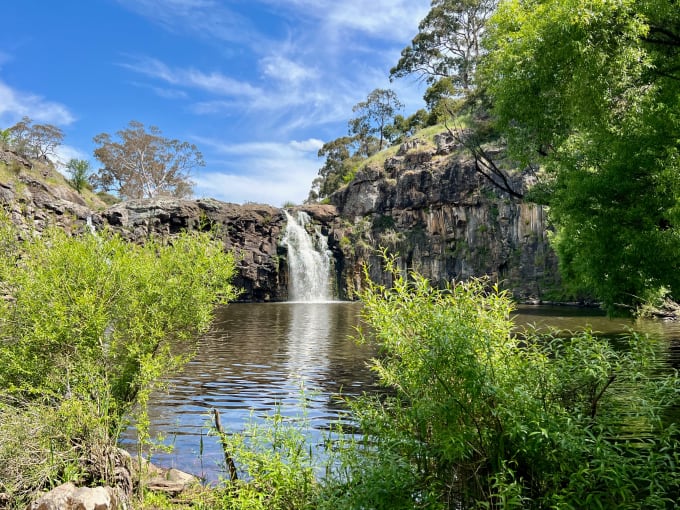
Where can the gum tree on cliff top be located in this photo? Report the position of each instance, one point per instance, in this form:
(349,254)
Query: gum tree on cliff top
(591,90)
(447,48)
(144,164)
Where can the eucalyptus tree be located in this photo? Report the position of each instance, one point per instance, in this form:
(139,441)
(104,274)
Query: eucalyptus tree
(591,91)
(144,164)
(34,140)
(374,115)
(448,44)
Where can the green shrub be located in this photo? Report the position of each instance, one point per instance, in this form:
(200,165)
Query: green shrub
(89,326)
(277,466)
(478,417)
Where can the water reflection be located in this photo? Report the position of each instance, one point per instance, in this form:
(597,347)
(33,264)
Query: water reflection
(257,357)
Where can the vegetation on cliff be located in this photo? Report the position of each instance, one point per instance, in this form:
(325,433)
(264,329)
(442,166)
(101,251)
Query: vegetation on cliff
(585,95)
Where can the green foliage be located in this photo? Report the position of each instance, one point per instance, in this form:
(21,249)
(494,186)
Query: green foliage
(79,170)
(375,114)
(342,158)
(477,417)
(277,466)
(591,91)
(5,138)
(91,325)
(404,127)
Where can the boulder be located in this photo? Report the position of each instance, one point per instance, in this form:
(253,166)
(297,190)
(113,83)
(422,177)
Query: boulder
(70,497)
(172,482)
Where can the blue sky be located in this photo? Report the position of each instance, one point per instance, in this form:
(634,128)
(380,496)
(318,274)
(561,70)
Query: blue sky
(257,85)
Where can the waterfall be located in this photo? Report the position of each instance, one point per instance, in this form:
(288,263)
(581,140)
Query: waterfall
(309,261)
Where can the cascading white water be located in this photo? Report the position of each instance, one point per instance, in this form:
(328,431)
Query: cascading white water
(309,261)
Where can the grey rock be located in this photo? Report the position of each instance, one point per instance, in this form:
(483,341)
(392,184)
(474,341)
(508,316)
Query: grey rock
(70,497)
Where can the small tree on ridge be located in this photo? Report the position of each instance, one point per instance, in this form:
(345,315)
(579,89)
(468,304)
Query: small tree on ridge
(144,164)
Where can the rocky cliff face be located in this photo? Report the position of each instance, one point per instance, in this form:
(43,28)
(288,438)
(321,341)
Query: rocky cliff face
(425,204)
(35,195)
(429,207)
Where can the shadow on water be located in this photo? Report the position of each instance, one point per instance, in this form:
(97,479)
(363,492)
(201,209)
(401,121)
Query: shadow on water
(258,357)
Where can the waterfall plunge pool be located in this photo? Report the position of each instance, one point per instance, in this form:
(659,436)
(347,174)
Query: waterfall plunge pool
(258,356)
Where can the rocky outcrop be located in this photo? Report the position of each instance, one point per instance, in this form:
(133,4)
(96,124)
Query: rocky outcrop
(428,206)
(425,204)
(36,195)
(252,232)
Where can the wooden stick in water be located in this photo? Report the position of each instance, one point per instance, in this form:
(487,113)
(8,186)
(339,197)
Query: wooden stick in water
(227,455)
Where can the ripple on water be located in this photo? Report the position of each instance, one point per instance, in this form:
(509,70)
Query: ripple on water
(258,357)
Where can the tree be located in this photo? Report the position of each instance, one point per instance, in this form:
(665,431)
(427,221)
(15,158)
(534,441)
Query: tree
(343,155)
(144,164)
(5,138)
(591,90)
(374,116)
(448,43)
(340,160)
(79,170)
(35,140)
(403,127)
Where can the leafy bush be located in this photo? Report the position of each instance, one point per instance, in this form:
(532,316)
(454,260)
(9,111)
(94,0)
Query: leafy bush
(478,417)
(277,466)
(88,326)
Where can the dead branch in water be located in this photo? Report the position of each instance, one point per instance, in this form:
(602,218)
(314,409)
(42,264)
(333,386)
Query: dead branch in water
(225,447)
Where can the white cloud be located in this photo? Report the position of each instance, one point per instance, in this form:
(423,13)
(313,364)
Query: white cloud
(207,19)
(311,145)
(283,69)
(393,20)
(329,56)
(213,82)
(15,104)
(265,172)
(67,152)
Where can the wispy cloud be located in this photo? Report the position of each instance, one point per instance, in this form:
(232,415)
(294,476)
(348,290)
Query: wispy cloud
(325,57)
(286,70)
(394,20)
(164,92)
(292,91)
(208,19)
(287,168)
(270,150)
(213,82)
(15,104)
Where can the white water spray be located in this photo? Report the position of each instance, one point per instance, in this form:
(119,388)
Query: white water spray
(309,261)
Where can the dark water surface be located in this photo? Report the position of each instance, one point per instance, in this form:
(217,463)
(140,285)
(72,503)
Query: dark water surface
(258,357)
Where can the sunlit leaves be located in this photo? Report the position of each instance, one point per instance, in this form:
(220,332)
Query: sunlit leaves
(478,416)
(591,91)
